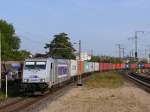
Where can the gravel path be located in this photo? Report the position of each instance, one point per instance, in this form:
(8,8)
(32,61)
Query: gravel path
(127,98)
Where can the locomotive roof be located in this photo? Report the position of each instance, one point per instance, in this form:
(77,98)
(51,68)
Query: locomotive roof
(37,59)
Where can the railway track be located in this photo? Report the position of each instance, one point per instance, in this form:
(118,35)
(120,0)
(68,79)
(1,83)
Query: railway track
(27,104)
(139,80)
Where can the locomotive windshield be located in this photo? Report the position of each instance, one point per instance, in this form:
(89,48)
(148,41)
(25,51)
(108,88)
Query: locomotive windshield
(35,65)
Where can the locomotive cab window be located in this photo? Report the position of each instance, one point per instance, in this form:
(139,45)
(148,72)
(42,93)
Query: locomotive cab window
(62,70)
(40,65)
(35,65)
(29,65)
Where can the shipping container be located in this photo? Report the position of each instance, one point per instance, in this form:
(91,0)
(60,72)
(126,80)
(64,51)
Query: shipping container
(118,66)
(141,66)
(91,66)
(73,68)
(96,66)
(86,67)
(100,67)
(80,67)
(62,67)
(147,66)
(133,66)
(104,66)
(127,66)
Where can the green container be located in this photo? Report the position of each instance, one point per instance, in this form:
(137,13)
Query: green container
(86,66)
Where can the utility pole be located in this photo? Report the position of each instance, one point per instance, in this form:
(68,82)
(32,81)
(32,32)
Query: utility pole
(123,52)
(91,52)
(79,75)
(119,49)
(0,59)
(132,52)
(136,44)
(148,53)
(145,52)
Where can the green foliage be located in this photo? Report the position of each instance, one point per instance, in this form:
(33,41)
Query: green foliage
(37,55)
(104,80)
(10,43)
(106,59)
(61,47)
(2,96)
(95,59)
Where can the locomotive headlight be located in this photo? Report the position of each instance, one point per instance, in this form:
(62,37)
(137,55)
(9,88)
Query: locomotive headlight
(25,80)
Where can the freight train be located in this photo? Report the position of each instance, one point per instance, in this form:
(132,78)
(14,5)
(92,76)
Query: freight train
(40,74)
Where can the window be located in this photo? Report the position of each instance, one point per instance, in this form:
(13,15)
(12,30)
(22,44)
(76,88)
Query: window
(35,65)
(29,65)
(62,70)
(40,65)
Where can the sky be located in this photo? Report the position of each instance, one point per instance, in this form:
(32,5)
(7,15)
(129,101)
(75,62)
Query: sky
(99,24)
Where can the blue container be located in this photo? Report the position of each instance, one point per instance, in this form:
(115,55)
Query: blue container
(141,66)
(127,66)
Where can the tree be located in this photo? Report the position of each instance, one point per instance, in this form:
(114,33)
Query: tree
(106,59)
(10,43)
(37,55)
(61,47)
(95,59)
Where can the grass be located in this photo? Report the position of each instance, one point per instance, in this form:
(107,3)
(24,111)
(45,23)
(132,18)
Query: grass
(13,88)
(2,96)
(104,80)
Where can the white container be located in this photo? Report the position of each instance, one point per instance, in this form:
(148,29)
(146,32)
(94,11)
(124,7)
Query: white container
(96,66)
(73,68)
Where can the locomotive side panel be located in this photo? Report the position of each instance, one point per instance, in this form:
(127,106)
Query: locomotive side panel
(61,71)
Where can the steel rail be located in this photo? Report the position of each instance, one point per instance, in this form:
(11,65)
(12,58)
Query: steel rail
(141,81)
